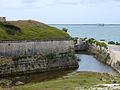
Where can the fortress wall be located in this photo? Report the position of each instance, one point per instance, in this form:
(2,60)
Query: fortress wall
(35,56)
(2,19)
(8,49)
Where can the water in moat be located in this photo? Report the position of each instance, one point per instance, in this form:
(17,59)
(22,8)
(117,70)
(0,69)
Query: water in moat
(89,63)
(86,63)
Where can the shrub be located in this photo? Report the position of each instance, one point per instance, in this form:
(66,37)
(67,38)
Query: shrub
(102,40)
(111,42)
(91,41)
(65,29)
(84,39)
(117,43)
(75,40)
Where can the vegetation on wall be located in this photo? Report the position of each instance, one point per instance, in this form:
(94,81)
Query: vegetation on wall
(75,40)
(97,43)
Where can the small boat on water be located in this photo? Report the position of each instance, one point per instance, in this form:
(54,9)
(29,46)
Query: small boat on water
(101,25)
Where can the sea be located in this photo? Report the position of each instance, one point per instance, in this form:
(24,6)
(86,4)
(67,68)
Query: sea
(107,32)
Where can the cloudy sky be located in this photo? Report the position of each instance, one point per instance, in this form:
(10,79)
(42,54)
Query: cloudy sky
(62,11)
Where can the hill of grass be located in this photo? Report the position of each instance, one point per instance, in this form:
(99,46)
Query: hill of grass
(30,30)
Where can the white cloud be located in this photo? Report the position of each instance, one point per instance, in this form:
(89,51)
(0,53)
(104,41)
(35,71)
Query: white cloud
(43,3)
(10,3)
(29,1)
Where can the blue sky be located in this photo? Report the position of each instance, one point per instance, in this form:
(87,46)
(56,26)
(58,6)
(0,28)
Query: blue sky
(62,11)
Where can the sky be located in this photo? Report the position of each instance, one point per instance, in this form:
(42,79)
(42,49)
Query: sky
(62,11)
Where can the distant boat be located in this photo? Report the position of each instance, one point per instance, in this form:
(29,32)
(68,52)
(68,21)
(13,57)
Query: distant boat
(101,25)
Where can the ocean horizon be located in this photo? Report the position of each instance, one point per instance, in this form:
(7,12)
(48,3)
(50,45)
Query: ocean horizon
(108,32)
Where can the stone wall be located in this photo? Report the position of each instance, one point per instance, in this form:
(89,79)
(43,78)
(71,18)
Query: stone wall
(81,46)
(35,56)
(2,19)
(110,56)
(100,53)
(114,61)
(14,48)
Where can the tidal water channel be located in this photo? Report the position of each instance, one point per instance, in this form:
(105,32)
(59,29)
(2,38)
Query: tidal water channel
(89,63)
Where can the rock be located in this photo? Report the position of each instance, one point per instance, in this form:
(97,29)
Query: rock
(19,83)
(5,82)
(17,77)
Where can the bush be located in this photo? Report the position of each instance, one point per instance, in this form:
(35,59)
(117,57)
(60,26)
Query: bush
(84,39)
(91,41)
(111,42)
(75,40)
(102,40)
(65,29)
(117,43)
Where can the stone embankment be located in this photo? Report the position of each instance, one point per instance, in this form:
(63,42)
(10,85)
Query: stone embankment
(110,56)
(81,46)
(114,51)
(36,56)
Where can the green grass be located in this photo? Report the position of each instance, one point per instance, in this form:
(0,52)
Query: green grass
(30,30)
(79,79)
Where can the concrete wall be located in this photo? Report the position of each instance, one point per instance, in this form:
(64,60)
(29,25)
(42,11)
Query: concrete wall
(20,57)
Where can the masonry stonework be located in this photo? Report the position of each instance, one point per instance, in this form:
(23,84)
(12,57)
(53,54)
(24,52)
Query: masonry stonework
(2,19)
(18,57)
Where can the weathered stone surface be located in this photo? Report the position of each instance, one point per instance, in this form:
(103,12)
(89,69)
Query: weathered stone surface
(110,56)
(19,83)
(5,82)
(30,57)
(114,51)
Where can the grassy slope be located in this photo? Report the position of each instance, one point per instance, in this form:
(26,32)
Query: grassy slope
(31,30)
(80,80)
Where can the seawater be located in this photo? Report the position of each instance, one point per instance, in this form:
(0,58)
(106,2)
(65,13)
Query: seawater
(106,32)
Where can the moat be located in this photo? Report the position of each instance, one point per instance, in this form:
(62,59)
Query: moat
(89,63)
(86,63)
